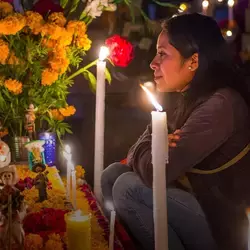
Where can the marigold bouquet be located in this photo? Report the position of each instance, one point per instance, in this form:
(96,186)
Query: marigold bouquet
(38,54)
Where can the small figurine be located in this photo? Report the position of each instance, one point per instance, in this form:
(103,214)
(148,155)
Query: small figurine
(30,121)
(11,207)
(36,152)
(41,181)
(5,156)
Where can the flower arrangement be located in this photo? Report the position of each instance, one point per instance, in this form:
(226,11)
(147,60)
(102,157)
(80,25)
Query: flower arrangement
(40,46)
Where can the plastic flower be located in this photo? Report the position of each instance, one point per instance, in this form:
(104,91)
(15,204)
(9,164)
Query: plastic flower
(57,18)
(34,21)
(5,8)
(4,48)
(121,51)
(33,242)
(76,27)
(56,115)
(13,86)
(49,76)
(10,25)
(83,42)
(54,242)
(67,111)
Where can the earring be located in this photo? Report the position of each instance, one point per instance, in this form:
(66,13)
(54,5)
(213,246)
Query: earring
(190,68)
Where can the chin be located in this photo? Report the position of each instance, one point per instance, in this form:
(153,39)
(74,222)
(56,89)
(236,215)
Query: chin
(161,87)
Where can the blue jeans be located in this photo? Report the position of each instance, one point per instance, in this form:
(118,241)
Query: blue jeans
(133,202)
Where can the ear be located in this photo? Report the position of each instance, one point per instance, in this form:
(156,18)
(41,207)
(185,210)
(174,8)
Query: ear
(194,62)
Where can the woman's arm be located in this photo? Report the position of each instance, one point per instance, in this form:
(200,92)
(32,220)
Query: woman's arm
(207,128)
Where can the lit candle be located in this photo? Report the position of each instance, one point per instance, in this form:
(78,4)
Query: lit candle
(99,121)
(74,187)
(68,156)
(230,4)
(78,227)
(112,230)
(205,4)
(159,160)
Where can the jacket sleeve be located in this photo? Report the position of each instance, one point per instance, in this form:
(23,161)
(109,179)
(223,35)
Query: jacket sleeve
(206,129)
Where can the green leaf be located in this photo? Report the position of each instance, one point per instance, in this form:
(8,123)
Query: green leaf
(63,3)
(83,15)
(74,5)
(108,76)
(91,78)
(165,4)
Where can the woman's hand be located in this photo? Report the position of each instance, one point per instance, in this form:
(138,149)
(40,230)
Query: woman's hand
(174,138)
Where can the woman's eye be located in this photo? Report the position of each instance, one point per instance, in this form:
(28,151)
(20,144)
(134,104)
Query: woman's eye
(161,54)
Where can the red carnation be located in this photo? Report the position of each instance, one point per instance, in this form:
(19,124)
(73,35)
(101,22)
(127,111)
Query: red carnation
(121,51)
(45,6)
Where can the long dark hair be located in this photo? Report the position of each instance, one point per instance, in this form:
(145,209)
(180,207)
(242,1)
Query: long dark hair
(195,33)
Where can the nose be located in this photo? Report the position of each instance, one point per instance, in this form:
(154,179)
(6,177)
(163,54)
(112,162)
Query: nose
(154,64)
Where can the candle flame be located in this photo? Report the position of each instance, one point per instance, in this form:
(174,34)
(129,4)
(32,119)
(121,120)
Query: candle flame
(104,52)
(152,98)
(230,3)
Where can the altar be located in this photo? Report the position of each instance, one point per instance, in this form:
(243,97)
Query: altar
(45,225)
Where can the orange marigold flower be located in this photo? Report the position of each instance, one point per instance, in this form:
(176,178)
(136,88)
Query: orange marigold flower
(67,111)
(57,18)
(10,25)
(54,242)
(13,60)
(4,48)
(76,27)
(3,132)
(34,21)
(52,30)
(56,115)
(5,8)
(14,86)
(66,39)
(83,42)
(58,60)
(49,76)
(33,242)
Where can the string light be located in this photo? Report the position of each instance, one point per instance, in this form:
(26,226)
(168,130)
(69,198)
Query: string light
(229,33)
(205,3)
(183,7)
(230,3)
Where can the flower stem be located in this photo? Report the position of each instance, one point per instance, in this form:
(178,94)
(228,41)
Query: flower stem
(80,71)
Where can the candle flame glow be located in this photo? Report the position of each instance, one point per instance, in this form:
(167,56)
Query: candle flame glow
(152,98)
(230,3)
(103,54)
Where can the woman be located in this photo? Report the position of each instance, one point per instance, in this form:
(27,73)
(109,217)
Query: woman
(213,118)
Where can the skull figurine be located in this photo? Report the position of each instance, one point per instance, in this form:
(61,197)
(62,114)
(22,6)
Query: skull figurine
(5,156)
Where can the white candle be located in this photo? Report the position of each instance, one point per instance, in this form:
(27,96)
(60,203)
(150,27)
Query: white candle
(205,4)
(230,4)
(112,230)
(159,160)
(74,187)
(99,122)
(68,156)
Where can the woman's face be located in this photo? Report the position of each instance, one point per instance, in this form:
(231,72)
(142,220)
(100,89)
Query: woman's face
(171,72)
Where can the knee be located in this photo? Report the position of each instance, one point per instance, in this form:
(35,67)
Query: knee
(125,188)
(111,172)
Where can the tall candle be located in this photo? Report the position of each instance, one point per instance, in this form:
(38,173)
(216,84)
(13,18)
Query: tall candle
(159,159)
(78,227)
(74,187)
(68,156)
(205,4)
(99,121)
(112,230)
(230,4)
